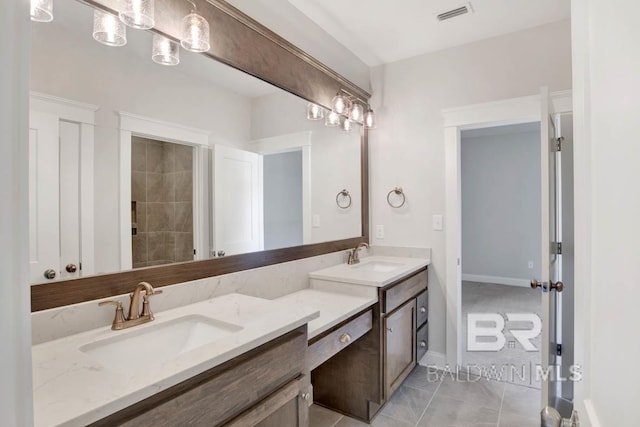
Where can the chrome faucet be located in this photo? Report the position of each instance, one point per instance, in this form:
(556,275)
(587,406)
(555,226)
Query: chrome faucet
(135,316)
(354,257)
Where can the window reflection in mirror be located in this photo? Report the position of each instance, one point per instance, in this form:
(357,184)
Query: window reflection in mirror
(262,175)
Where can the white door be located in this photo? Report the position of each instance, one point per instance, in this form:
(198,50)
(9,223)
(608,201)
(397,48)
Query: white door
(237,201)
(69,197)
(44,219)
(549,271)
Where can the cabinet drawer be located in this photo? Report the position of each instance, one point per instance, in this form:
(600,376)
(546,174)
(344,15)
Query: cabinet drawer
(326,347)
(422,312)
(397,295)
(422,341)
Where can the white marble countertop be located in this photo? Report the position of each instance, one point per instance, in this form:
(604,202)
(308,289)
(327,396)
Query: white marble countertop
(377,271)
(334,307)
(71,389)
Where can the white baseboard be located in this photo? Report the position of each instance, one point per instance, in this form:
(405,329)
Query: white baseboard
(433,359)
(510,281)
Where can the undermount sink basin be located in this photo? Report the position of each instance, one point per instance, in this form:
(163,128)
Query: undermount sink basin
(134,350)
(378,266)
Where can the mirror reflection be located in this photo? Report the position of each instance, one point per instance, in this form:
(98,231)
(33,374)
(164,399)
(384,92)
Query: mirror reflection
(135,164)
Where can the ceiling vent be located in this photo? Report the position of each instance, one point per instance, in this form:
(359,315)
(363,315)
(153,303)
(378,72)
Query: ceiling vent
(458,11)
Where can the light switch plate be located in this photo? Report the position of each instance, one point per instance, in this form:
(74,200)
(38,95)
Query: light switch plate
(316,221)
(379,231)
(437,222)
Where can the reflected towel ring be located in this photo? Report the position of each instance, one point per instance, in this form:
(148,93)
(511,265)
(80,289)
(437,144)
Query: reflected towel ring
(345,195)
(398,191)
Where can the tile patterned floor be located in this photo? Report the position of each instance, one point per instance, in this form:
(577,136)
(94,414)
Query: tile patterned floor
(433,399)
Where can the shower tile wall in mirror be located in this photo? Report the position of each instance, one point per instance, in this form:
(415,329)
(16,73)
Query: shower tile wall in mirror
(135,164)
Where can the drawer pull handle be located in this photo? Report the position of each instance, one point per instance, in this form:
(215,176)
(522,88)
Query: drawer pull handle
(345,338)
(423,309)
(423,344)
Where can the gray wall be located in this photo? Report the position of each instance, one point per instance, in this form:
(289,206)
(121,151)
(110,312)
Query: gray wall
(282,200)
(501,201)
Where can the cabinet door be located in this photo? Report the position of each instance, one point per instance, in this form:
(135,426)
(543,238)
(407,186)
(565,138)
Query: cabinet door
(399,345)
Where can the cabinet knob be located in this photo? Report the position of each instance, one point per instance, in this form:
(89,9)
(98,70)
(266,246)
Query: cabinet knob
(50,274)
(423,344)
(306,396)
(390,330)
(71,268)
(345,338)
(423,309)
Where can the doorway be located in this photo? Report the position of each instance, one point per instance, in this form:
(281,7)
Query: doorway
(500,185)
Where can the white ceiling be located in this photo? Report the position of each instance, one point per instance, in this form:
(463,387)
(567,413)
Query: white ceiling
(77,19)
(383,31)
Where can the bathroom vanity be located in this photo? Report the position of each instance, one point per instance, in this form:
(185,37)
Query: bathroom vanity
(361,379)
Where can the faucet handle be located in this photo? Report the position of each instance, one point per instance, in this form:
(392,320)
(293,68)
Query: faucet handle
(118,320)
(146,311)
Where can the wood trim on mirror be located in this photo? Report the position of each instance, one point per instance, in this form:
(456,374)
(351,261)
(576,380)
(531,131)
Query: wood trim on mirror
(267,57)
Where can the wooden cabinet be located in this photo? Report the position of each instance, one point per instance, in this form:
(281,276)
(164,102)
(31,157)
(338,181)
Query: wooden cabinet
(399,345)
(263,387)
(360,379)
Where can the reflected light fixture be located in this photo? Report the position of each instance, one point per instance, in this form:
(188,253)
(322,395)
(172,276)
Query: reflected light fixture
(138,14)
(42,10)
(165,51)
(357,113)
(108,29)
(346,125)
(195,32)
(340,104)
(314,112)
(332,119)
(370,119)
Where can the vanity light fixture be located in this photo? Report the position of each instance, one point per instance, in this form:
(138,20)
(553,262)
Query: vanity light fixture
(42,10)
(340,104)
(314,112)
(195,32)
(108,29)
(370,119)
(138,14)
(356,114)
(332,119)
(346,125)
(165,51)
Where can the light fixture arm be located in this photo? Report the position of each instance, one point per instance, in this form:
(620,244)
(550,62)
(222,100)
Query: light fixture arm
(192,4)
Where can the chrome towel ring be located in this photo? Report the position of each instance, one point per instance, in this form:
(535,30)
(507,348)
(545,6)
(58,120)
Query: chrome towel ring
(398,192)
(345,197)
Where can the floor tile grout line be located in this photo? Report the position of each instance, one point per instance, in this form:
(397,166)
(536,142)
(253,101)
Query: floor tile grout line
(429,403)
(504,392)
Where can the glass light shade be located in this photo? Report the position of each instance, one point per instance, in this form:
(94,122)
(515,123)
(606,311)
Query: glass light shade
(346,125)
(332,119)
(42,10)
(195,33)
(314,112)
(356,114)
(340,104)
(370,119)
(165,51)
(138,14)
(108,29)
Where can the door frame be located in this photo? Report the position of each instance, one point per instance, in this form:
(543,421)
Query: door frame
(146,127)
(85,115)
(292,142)
(504,112)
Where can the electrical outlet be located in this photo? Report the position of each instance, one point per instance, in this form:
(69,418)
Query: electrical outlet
(379,231)
(316,221)
(530,264)
(437,222)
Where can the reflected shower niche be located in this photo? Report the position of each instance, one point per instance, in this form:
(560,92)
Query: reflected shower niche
(162,202)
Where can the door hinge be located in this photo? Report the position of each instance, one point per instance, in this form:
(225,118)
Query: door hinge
(558,349)
(80,266)
(557,144)
(556,248)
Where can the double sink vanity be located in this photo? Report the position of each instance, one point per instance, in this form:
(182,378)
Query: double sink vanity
(346,342)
